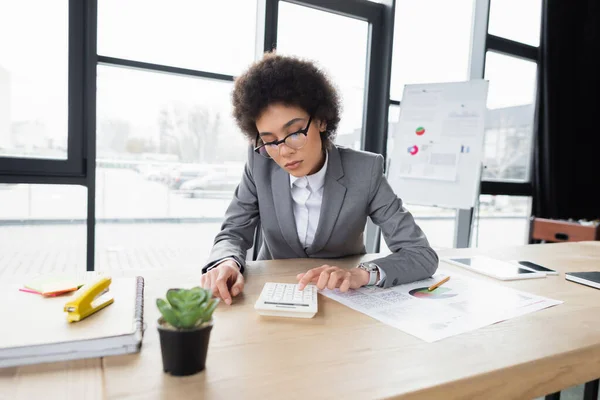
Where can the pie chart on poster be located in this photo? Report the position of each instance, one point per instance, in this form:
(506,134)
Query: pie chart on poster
(413,150)
(438,293)
(420,131)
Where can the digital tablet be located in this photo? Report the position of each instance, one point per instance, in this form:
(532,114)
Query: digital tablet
(537,267)
(498,269)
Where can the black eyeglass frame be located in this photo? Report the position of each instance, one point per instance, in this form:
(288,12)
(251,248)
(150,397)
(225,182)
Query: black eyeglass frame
(278,142)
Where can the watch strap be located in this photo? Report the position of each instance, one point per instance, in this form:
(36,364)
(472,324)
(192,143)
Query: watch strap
(372,269)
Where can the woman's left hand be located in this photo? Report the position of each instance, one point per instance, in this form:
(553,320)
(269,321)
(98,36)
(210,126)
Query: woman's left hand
(331,277)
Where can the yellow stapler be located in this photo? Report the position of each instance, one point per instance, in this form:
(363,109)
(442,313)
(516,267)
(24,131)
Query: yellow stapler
(88,299)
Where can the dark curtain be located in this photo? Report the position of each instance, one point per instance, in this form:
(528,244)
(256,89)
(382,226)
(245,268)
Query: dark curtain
(566,170)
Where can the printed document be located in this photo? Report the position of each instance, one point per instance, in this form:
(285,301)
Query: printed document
(460,305)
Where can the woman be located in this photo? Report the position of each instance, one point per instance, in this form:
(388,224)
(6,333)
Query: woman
(312,198)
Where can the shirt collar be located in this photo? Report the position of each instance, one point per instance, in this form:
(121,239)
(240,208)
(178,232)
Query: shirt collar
(316,180)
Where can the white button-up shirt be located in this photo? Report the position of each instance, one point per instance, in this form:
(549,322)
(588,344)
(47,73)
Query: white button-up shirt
(307,195)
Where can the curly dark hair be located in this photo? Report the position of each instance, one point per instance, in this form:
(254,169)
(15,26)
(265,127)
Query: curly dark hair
(288,80)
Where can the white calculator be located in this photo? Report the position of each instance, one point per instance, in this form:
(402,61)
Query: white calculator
(285,300)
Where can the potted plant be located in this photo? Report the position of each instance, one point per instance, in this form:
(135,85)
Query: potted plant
(184,329)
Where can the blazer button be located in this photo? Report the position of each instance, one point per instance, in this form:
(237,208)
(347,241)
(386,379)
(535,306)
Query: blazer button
(395,282)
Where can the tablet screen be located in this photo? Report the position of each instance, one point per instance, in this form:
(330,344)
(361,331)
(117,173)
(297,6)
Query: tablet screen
(492,266)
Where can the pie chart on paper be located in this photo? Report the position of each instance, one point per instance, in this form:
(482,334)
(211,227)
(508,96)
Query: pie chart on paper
(413,150)
(438,293)
(420,131)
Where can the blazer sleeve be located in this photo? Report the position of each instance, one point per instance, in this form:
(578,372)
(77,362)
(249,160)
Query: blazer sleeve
(412,257)
(241,218)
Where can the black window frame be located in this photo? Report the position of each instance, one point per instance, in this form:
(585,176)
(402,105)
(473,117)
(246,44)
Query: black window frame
(73,168)
(523,51)
(80,166)
(380,17)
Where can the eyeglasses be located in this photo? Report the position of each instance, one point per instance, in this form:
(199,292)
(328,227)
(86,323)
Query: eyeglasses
(295,140)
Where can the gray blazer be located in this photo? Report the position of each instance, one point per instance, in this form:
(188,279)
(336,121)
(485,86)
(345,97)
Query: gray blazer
(355,188)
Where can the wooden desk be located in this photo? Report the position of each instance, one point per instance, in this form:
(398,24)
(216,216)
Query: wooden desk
(344,354)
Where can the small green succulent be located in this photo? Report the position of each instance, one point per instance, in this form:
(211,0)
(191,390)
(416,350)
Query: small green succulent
(187,308)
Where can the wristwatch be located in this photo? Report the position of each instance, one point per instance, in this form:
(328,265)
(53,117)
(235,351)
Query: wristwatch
(372,269)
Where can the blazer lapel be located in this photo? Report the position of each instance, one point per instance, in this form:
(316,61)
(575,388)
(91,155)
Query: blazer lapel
(333,199)
(282,198)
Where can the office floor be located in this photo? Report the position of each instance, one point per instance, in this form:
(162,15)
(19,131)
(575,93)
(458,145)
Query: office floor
(33,249)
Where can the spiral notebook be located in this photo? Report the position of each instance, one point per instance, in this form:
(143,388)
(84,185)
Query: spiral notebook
(35,329)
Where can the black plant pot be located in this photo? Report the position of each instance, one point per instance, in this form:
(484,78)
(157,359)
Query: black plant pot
(184,351)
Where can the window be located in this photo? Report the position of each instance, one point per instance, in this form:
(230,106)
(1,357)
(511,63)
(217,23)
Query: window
(163,155)
(338,45)
(171,152)
(34,79)
(42,229)
(438,224)
(516,20)
(511,68)
(512,80)
(502,221)
(393,117)
(509,122)
(217,36)
(432,40)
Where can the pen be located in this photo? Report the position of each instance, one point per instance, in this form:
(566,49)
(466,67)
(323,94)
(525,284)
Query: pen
(439,283)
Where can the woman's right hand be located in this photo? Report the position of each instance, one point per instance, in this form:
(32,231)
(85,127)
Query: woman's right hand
(225,280)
